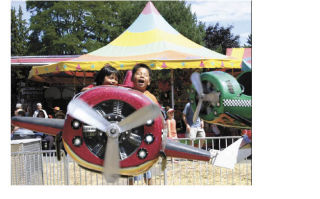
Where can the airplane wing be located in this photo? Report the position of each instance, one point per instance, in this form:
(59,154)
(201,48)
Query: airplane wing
(45,125)
(231,155)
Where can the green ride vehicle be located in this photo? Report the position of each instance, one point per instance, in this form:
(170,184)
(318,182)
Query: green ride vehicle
(224,101)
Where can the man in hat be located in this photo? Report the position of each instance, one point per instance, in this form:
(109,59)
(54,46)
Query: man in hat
(39,107)
(58,113)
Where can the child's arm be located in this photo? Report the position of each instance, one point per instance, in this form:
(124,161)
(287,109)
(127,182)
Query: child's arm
(169,129)
(87,88)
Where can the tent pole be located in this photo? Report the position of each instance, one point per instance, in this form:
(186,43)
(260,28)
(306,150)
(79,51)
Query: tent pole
(172,89)
(74,83)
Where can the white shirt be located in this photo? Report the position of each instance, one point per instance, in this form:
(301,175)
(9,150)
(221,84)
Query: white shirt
(37,111)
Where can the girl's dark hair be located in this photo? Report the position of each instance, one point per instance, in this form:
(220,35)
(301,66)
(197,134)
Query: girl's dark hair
(136,67)
(105,71)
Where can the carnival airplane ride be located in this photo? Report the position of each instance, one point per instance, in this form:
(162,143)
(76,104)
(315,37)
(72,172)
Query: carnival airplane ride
(222,99)
(119,131)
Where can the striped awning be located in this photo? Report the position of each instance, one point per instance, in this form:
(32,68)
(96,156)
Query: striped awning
(149,40)
(241,53)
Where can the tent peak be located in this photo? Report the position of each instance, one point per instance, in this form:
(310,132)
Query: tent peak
(149,8)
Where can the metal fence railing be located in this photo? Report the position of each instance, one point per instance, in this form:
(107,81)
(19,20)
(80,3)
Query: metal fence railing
(43,168)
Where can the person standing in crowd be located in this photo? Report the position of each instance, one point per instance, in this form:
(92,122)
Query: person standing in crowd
(108,75)
(58,113)
(21,133)
(171,124)
(29,111)
(39,108)
(193,130)
(48,138)
(141,78)
(18,108)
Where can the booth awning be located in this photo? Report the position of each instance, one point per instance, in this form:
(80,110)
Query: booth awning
(241,53)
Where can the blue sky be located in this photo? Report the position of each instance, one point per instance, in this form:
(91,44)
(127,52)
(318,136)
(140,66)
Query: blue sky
(226,12)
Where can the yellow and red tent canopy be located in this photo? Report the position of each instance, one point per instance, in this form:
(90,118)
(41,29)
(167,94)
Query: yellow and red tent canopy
(149,40)
(241,53)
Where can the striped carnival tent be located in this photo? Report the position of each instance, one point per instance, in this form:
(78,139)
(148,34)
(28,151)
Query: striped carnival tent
(149,40)
(241,53)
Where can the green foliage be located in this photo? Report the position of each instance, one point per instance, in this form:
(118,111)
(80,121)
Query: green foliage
(219,38)
(57,27)
(249,42)
(77,27)
(19,33)
(178,14)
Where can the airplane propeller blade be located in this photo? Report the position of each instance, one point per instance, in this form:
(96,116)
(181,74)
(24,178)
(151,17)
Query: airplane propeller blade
(139,117)
(111,160)
(85,113)
(196,81)
(212,97)
(196,113)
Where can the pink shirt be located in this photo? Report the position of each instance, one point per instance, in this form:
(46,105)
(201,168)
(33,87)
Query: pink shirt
(172,132)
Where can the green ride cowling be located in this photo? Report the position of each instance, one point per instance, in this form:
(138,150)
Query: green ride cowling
(233,108)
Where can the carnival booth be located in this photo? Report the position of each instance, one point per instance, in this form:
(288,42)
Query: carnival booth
(152,41)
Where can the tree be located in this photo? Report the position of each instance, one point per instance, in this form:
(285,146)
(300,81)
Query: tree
(19,33)
(77,27)
(249,42)
(56,27)
(178,14)
(220,38)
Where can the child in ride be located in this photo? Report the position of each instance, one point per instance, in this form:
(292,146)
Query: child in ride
(141,78)
(108,75)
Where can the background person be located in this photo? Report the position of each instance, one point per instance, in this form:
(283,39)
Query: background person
(29,111)
(21,133)
(59,114)
(193,130)
(171,124)
(39,108)
(18,108)
(48,138)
